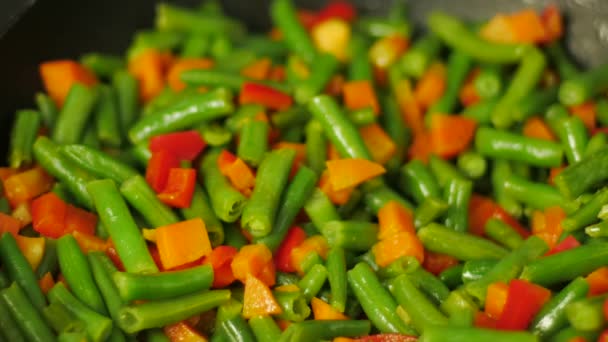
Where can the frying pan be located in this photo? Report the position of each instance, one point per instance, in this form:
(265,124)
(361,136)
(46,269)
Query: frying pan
(32,31)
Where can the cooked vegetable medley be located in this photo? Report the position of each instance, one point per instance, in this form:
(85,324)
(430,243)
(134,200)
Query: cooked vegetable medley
(337,179)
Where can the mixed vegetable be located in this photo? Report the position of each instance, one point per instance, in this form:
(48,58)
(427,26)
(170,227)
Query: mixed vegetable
(332,180)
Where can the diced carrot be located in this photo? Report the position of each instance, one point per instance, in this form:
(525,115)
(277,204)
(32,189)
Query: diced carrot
(46,283)
(255,259)
(451,134)
(547,224)
(536,127)
(59,76)
(183,64)
(438,262)
(258,300)
(314,244)
(598,281)
(360,94)
(183,332)
(9,224)
(337,197)
(587,113)
(323,311)
(349,172)
(258,70)
(431,85)
(421,148)
(385,51)
(393,218)
(182,242)
(24,186)
(149,67)
(403,243)
(89,242)
(524,26)
(32,249)
(77,219)
(409,106)
(378,143)
(332,36)
(496,297)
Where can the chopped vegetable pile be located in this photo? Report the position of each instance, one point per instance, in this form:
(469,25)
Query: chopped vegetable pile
(333,180)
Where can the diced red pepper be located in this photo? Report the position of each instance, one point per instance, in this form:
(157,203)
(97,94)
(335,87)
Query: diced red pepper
(48,215)
(157,172)
(524,300)
(337,9)
(481,209)
(180,188)
(265,96)
(80,220)
(603,336)
(9,224)
(437,262)
(225,160)
(282,258)
(483,320)
(184,145)
(220,259)
(89,242)
(388,337)
(566,244)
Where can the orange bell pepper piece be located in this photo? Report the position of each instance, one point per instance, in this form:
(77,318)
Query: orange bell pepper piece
(6,172)
(258,300)
(553,23)
(421,148)
(180,188)
(9,224)
(255,260)
(32,249)
(48,215)
(59,76)
(598,281)
(338,197)
(89,242)
(385,51)
(587,113)
(496,297)
(332,152)
(323,311)
(314,244)
(24,186)
(547,225)
(181,65)
(359,95)
(220,259)
(394,218)
(350,172)
(403,243)
(409,106)
(182,242)
(258,70)
(451,135)
(183,332)
(237,171)
(378,142)
(431,85)
(521,27)
(481,209)
(149,68)
(536,127)
(46,283)
(332,36)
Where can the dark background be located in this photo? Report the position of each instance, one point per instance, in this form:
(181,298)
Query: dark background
(33,31)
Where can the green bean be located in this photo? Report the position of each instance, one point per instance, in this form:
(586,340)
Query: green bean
(381,27)
(597,230)
(503,233)
(213,78)
(509,267)
(259,213)
(481,111)
(417,59)
(378,194)
(460,308)
(253,142)
(296,38)
(417,181)
(75,268)
(49,259)
(98,163)
(524,81)
(103,268)
(233,236)
(107,118)
(489,82)
(195,46)
(97,326)
(350,235)
(263,45)
(156,335)
(153,314)
(561,60)
(472,164)
(76,110)
(296,195)
(68,173)
(457,194)
(459,64)
(115,216)
(566,265)
(532,194)
(502,170)
(173,18)
(452,277)
(362,117)
(377,302)
(429,210)
(142,198)
(441,239)
(291,117)
(9,328)
(28,318)
(19,270)
(89,138)
(265,329)
(23,134)
(185,113)
(596,143)
(584,175)
(601,107)
(61,319)
(500,144)
(455,34)
(393,123)
(102,65)
(586,314)
(201,208)
(583,86)
(573,135)
(567,334)
(587,214)
(429,284)
(293,305)
(125,86)
(48,110)
(535,102)
(336,268)
(316,146)
(462,334)
(552,317)
(313,281)
(325,65)
(320,209)
(443,171)
(325,330)
(359,68)
(236,329)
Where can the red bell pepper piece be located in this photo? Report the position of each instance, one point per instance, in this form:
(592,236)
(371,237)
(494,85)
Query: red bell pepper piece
(48,215)
(483,320)
(282,258)
(566,244)
(388,337)
(225,161)
(179,189)
(157,172)
(603,336)
(184,145)
(220,259)
(80,220)
(481,209)
(265,96)
(524,300)
(9,224)
(338,10)
(437,262)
